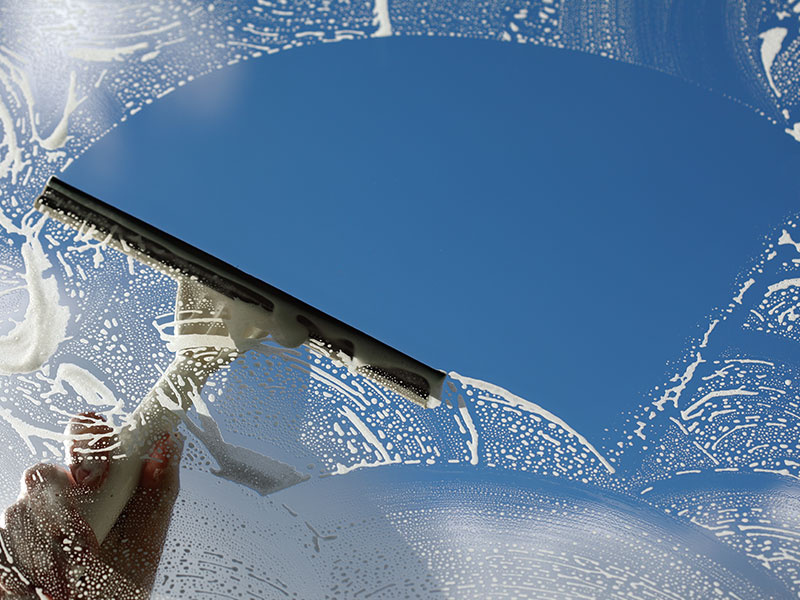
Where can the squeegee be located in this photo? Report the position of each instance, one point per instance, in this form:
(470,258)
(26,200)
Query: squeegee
(222,303)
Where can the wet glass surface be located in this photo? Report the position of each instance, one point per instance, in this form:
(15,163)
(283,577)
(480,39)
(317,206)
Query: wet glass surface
(166,452)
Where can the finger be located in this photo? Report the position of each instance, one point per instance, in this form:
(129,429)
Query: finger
(31,555)
(162,466)
(50,495)
(46,535)
(87,450)
(134,545)
(38,514)
(47,497)
(13,581)
(46,477)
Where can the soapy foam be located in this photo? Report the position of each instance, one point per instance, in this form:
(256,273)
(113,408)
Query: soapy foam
(34,340)
(510,399)
(101,54)
(770,48)
(382,19)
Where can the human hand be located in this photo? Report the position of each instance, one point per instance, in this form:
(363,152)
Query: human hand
(48,551)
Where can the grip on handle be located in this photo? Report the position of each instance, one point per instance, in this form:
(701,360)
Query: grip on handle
(160,412)
(204,342)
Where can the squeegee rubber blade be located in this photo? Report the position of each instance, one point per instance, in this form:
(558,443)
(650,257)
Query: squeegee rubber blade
(171,255)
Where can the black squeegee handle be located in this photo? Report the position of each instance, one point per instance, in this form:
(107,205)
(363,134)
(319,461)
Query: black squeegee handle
(373,358)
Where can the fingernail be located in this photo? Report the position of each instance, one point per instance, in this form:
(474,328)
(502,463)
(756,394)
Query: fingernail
(79,474)
(151,476)
(89,470)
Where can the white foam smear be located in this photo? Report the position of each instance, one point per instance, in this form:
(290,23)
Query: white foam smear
(382,19)
(88,387)
(107,54)
(723,425)
(770,48)
(34,340)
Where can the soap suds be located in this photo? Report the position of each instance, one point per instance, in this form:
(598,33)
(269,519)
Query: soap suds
(771,42)
(512,400)
(101,54)
(382,19)
(32,341)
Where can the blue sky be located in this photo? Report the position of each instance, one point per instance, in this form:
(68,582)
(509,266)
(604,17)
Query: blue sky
(551,222)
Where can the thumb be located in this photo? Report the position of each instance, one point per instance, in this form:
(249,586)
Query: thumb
(161,468)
